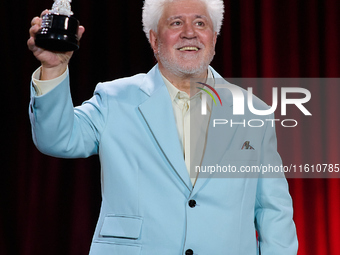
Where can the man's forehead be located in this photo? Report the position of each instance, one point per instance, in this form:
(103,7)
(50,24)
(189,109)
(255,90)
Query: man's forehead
(185,9)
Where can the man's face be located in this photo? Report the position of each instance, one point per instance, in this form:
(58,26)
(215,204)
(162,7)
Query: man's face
(185,40)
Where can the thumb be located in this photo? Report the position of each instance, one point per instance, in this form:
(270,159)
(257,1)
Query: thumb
(81,31)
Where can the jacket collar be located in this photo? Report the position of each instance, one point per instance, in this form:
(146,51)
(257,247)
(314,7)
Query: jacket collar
(152,81)
(158,113)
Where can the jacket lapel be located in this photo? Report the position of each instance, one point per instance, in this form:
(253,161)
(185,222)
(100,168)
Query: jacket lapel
(158,113)
(220,137)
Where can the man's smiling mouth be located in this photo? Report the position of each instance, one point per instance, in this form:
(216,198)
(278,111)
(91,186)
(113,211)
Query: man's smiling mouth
(189,48)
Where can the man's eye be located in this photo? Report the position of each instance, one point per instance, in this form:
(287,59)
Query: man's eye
(200,23)
(176,23)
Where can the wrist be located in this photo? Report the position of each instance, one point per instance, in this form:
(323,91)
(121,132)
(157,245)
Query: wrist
(49,73)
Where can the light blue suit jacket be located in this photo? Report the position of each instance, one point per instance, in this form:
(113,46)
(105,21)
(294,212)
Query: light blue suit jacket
(146,188)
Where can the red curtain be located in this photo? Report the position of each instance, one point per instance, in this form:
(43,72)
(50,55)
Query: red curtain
(296,39)
(50,206)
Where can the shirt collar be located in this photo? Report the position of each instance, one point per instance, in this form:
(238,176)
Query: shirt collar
(173,91)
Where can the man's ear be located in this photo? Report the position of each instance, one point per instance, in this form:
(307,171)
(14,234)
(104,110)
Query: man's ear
(215,40)
(153,41)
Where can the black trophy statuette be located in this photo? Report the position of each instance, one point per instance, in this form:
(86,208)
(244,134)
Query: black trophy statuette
(59,29)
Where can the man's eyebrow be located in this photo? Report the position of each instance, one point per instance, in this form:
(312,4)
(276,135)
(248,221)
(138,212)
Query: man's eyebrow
(174,17)
(201,17)
(197,16)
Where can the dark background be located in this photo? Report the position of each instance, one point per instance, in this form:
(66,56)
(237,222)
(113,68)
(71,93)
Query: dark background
(50,206)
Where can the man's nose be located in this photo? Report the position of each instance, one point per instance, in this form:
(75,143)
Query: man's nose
(188,31)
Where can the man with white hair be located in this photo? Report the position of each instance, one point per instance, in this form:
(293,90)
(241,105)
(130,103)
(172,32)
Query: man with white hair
(139,126)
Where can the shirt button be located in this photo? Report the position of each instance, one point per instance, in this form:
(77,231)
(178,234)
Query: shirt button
(189,252)
(192,203)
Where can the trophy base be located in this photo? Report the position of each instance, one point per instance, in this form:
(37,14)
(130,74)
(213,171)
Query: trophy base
(58,33)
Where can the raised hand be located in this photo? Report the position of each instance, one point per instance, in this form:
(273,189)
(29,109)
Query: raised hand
(53,63)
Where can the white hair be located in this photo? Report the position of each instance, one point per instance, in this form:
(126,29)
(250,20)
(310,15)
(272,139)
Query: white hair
(153,10)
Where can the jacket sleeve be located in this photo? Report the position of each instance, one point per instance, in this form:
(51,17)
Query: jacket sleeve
(273,209)
(59,129)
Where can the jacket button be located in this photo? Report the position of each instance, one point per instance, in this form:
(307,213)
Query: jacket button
(189,252)
(192,203)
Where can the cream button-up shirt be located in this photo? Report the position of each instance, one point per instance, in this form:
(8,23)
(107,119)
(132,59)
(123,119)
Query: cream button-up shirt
(192,126)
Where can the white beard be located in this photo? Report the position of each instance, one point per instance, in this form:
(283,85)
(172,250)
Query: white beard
(177,67)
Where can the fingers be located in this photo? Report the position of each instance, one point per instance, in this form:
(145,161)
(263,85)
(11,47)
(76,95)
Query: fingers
(34,29)
(35,26)
(44,12)
(81,31)
(31,40)
(36,21)
(31,43)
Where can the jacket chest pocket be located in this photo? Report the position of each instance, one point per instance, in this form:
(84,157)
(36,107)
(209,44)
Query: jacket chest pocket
(118,235)
(125,227)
